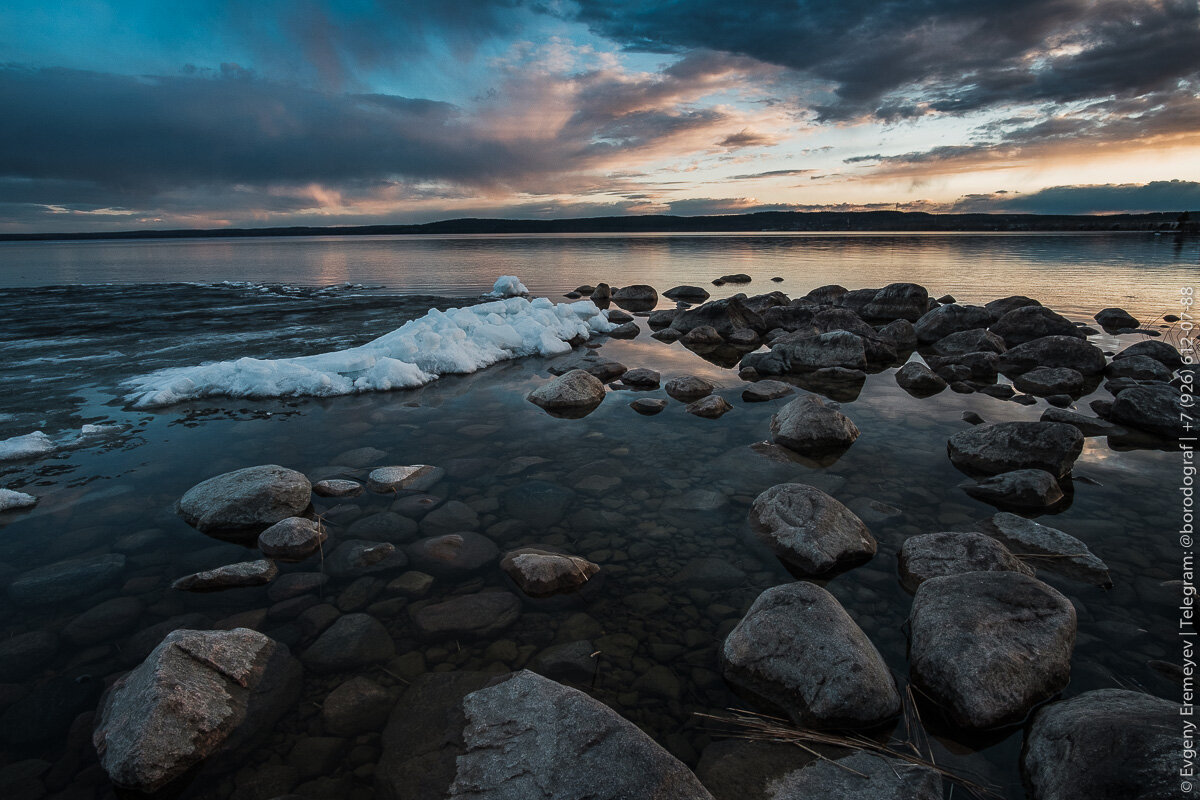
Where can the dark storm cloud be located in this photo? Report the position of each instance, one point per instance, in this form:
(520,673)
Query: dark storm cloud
(1168,196)
(901,59)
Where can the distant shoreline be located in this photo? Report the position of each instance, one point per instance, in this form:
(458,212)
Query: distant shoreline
(758,222)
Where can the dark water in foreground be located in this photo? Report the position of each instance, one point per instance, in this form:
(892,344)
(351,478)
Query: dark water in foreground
(650,499)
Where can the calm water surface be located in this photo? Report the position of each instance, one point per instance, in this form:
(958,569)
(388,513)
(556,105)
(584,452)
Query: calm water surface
(651,499)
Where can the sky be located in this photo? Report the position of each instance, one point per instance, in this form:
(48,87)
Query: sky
(212,113)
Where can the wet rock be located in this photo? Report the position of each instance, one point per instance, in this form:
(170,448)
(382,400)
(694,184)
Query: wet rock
(453,554)
(1116,319)
(199,696)
(619,317)
(744,338)
(989,646)
(386,526)
(648,406)
(790,318)
(900,334)
(541,573)
(811,531)
(601,292)
(296,584)
(23,655)
(641,378)
(919,380)
(687,294)
(799,353)
(104,621)
(337,488)
(907,301)
(585,290)
(520,736)
(636,297)
(1161,352)
(702,336)
(709,407)
(249,499)
(411,584)
(737,277)
(360,458)
(972,418)
(1107,744)
(1008,446)
(1046,381)
(352,642)
(66,580)
(659,320)
(1053,351)
(1023,325)
(976,340)
(539,503)
(358,706)
(798,650)
(874,512)
(666,335)
(935,555)
(945,320)
(1088,426)
(762,391)
(355,557)
(688,388)
(231,576)
(1001,391)
(725,316)
(574,661)
(576,390)
(291,539)
(1063,553)
(412,478)
(1138,368)
(861,775)
(999,308)
(1022,488)
(480,614)
(810,426)
(627,330)
(450,517)
(1154,409)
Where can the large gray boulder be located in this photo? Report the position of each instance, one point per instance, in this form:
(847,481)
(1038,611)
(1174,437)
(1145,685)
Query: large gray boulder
(908,301)
(989,646)
(1053,351)
(726,316)
(952,318)
(1059,551)
(1107,744)
(1033,322)
(574,391)
(810,426)
(861,776)
(1154,409)
(934,555)
(638,297)
(798,650)
(1008,446)
(249,499)
(520,736)
(806,352)
(199,696)
(809,530)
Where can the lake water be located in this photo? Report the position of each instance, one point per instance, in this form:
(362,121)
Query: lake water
(653,500)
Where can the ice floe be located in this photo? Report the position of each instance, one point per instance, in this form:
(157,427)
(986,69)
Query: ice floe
(30,445)
(11,500)
(507,286)
(458,340)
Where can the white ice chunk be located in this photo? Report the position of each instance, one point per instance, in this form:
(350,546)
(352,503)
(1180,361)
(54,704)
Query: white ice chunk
(455,341)
(28,446)
(10,500)
(508,286)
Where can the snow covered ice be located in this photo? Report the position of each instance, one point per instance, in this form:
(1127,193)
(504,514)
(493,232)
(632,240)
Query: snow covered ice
(30,445)
(507,286)
(10,500)
(455,341)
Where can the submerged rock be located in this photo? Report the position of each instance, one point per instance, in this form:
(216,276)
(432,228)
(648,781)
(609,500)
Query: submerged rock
(861,776)
(358,706)
(352,642)
(355,557)
(1008,446)
(231,576)
(520,736)
(1022,488)
(413,478)
(709,407)
(337,488)
(810,426)
(453,554)
(762,391)
(249,499)
(541,573)
(24,654)
(198,696)
(1107,744)
(934,555)
(480,614)
(989,646)
(798,650)
(809,530)
(1062,552)
(66,580)
(574,391)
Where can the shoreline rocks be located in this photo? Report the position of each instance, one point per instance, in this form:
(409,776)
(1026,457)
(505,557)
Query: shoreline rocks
(809,530)
(292,539)
(231,576)
(935,555)
(1008,446)
(542,573)
(574,391)
(250,499)
(810,426)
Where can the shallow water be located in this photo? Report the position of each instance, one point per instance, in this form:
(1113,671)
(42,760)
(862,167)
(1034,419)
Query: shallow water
(642,496)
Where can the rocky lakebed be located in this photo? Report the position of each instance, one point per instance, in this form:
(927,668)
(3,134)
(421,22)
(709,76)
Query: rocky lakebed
(868,543)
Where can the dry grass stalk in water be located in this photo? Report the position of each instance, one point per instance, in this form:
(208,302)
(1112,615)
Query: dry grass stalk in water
(913,750)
